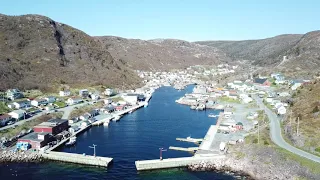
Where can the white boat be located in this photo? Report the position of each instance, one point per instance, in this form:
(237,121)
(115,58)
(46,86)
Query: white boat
(106,123)
(72,141)
(146,104)
(213,115)
(116,118)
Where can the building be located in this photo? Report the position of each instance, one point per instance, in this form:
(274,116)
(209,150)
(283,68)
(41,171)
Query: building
(21,104)
(65,93)
(95,96)
(39,102)
(52,126)
(4,119)
(13,94)
(108,92)
(50,99)
(17,114)
(262,82)
(84,93)
(72,101)
(36,140)
(131,98)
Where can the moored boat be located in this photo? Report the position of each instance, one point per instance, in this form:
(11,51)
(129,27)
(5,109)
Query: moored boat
(116,118)
(72,141)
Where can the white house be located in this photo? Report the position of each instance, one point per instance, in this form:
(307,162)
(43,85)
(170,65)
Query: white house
(17,114)
(130,98)
(108,92)
(38,102)
(107,101)
(65,93)
(282,110)
(21,104)
(50,99)
(72,101)
(95,96)
(295,86)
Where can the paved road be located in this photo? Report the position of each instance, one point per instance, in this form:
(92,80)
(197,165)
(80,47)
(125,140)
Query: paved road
(276,136)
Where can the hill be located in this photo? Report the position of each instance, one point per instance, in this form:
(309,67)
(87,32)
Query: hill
(37,52)
(261,52)
(161,54)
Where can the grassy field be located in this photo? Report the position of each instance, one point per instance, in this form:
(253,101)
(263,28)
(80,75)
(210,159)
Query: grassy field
(9,133)
(116,99)
(4,108)
(60,104)
(229,100)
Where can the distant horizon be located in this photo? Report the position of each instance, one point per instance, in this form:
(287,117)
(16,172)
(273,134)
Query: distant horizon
(189,20)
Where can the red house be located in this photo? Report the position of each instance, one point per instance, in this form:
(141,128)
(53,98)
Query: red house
(52,126)
(36,140)
(262,82)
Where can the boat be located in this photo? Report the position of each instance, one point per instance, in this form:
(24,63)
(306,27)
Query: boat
(146,104)
(116,118)
(193,107)
(72,141)
(106,123)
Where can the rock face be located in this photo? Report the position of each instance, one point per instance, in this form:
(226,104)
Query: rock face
(37,52)
(161,54)
(8,156)
(257,163)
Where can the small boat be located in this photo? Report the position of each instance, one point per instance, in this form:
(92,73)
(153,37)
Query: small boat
(193,107)
(146,104)
(213,115)
(106,123)
(72,141)
(116,118)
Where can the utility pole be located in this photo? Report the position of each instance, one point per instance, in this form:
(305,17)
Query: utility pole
(298,126)
(161,149)
(94,149)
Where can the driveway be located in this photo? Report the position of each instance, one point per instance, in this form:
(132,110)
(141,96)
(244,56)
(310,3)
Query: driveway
(276,136)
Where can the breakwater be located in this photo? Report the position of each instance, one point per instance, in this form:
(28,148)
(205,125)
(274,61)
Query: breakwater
(10,156)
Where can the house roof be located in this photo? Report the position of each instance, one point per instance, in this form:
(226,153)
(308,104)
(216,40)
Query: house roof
(260,80)
(5,116)
(52,123)
(19,111)
(22,102)
(32,136)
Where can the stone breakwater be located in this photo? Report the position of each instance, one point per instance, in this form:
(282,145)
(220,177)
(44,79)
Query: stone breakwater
(9,156)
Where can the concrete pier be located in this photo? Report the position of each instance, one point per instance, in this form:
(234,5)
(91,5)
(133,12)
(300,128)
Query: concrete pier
(193,140)
(173,162)
(189,149)
(78,158)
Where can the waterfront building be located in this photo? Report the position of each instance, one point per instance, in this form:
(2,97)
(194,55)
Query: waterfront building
(36,140)
(17,114)
(21,104)
(52,126)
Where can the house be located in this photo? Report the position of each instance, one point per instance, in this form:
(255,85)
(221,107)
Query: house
(21,104)
(17,114)
(281,110)
(239,126)
(120,107)
(13,94)
(52,126)
(50,99)
(74,100)
(73,120)
(108,92)
(84,93)
(85,116)
(296,84)
(4,119)
(277,76)
(74,129)
(262,82)
(131,98)
(39,102)
(107,101)
(95,96)
(65,93)
(94,113)
(34,140)
(108,109)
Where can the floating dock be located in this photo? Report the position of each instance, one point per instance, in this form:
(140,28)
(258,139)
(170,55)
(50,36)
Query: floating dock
(193,140)
(77,158)
(189,149)
(173,162)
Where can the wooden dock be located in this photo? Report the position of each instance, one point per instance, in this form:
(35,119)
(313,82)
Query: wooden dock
(77,158)
(193,140)
(173,162)
(189,149)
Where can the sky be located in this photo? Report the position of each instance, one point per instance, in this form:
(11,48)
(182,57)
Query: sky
(191,20)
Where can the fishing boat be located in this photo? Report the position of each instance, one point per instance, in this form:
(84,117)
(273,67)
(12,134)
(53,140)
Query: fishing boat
(146,104)
(72,141)
(213,115)
(106,123)
(116,118)
(193,107)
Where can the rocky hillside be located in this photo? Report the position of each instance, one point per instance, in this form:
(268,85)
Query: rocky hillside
(37,52)
(261,52)
(161,53)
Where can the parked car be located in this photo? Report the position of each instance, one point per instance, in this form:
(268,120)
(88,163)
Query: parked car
(10,122)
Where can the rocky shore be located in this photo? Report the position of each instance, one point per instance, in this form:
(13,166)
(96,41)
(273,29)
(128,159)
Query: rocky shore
(9,156)
(257,163)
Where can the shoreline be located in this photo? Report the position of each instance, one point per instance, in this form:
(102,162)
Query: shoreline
(20,157)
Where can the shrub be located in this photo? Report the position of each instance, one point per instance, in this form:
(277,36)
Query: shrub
(315,109)
(317,149)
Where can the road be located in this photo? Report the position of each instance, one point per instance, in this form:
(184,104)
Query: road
(276,135)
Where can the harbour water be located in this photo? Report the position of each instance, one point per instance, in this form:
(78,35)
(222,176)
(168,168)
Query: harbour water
(137,136)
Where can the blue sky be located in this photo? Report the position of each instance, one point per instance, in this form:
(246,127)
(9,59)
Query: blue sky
(190,20)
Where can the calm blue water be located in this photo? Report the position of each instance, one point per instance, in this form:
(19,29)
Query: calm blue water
(138,136)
